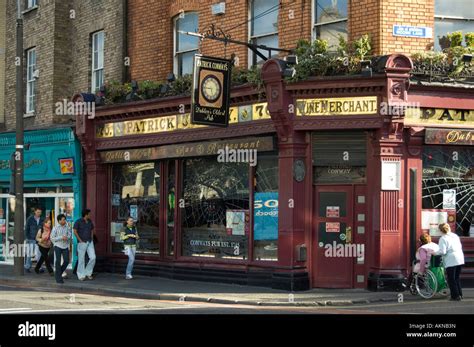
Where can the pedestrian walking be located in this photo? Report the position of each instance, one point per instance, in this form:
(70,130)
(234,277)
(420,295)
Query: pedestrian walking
(453,257)
(32,225)
(130,237)
(61,238)
(43,237)
(85,233)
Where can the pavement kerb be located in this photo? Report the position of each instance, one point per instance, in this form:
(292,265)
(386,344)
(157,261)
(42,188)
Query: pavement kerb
(147,294)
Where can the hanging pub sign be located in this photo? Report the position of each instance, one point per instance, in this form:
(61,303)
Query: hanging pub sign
(211,92)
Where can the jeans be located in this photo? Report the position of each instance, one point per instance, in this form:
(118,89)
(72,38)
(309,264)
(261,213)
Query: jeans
(130,250)
(30,249)
(58,252)
(453,273)
(44,258)
(82,249)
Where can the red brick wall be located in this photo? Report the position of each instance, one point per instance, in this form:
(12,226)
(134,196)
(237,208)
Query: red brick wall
(151,28)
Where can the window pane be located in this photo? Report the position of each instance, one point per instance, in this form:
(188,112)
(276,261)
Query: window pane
(190,24)
(442,175)
(461,8)
(269,41)
(265,229)
(330,10)
(445,26)
(264,23)
(136,193)
(215,220)
(331,32)
(170,208)
(186,63)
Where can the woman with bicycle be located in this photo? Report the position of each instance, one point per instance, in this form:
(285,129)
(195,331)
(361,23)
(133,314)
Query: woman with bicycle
(453,257)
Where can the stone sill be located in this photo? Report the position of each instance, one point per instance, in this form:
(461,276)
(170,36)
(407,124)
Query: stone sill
(29,115)
(29,9)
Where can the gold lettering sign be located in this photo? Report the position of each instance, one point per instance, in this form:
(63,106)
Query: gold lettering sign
(174,122)
(449,137)
(337,106)
(422,116)
(186,150)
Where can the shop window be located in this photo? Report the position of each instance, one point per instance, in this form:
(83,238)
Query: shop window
(135,193)
(330,21)
(185,46)
(263,27)
(215,217)
(449,18)
(448,189)
(265,231)
(339,157)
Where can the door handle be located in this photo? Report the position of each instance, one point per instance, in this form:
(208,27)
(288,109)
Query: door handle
(348,235)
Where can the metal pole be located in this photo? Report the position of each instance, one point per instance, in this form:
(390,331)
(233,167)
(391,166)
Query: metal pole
(19,212)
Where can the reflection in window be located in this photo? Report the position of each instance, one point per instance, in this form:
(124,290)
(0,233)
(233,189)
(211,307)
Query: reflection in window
(136,193)
(186,46)
(266,209)
(264,26)
(170,208)
(330,20)
(450,18)
(441,172)
(215,220)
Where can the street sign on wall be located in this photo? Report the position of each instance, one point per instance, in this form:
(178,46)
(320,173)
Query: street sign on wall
(412,31)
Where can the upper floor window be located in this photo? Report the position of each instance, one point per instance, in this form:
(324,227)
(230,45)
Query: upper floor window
(263,26)
(31,3)
(450,18)
(185,46)
(97,61)
(31,75)
(330,20)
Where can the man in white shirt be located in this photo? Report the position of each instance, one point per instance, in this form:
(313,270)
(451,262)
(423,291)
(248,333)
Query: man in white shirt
(453,257)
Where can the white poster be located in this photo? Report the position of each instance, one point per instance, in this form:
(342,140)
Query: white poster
(430,221)
(390,175)
(235,222)
(449,199)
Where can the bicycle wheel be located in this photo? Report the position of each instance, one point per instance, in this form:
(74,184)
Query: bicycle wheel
(426,284)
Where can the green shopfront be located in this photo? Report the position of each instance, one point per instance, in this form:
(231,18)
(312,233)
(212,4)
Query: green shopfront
(53,171)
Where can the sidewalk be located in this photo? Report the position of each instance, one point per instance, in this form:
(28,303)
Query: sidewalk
(159,288)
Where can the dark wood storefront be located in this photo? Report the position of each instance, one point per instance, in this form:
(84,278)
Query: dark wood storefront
(313,211)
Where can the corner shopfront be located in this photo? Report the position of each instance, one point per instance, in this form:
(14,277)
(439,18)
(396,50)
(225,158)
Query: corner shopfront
(331,170)
(46,185)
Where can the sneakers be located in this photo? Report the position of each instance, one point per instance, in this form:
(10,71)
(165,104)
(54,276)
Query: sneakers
(81,278)
(64,275)
(128,277)
(90,277)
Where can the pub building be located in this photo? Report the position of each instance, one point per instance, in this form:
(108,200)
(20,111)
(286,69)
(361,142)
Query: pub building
(333,170)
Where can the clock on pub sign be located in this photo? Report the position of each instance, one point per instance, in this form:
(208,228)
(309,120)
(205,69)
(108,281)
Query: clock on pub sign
(211,93)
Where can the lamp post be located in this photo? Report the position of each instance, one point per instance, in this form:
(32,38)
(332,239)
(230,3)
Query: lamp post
(19,212)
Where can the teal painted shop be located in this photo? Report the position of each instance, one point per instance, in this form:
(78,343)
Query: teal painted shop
(52,177)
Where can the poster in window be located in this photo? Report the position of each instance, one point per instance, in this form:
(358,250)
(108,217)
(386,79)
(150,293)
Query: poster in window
(449,199)
(3,225)
(333,227)
(134,212)
(432,218)
(236,222)
(332,211)
(266,216)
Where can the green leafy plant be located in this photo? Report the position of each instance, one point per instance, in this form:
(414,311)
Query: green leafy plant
(455,39)
(469,38)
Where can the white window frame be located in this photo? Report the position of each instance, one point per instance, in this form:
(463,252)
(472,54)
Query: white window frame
(252,57)
(31,81)
(99,70)
(31,4)
(177,53)
(315,25)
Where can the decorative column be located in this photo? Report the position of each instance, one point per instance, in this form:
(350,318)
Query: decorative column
(96,192)
(292,273)
(387,170)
